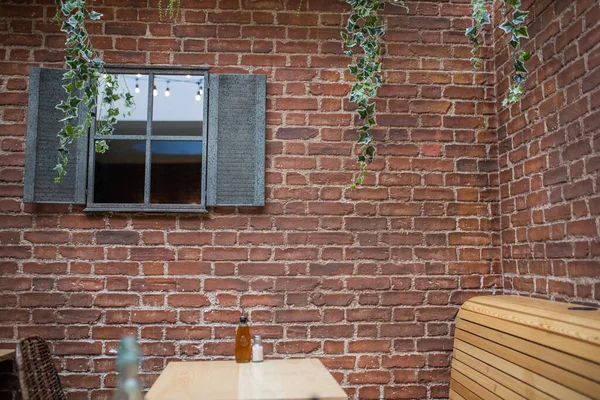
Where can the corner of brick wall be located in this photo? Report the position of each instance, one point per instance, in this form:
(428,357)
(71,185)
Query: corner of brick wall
(549,157)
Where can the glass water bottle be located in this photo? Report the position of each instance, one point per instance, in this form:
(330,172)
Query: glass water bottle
(128,358)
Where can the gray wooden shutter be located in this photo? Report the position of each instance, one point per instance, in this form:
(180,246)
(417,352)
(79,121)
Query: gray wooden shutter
(43,123)
(236,140)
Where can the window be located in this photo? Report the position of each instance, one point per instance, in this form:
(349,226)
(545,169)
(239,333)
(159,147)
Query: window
(156,154)
(192,140)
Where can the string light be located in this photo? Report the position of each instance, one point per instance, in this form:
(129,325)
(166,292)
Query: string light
(198,96)
(199,93)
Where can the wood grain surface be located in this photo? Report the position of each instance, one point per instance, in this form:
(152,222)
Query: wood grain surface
(7,354)
(294,379)
(510,347)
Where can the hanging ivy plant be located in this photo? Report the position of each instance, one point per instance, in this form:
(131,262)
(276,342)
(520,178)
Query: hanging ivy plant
(171,11)
(365,29)
(481,17)
(517,30)
(84,77)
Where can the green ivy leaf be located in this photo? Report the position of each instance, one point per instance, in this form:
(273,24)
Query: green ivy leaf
(521,32)
(72,21)
(520,16)
(63,106)
(95,16)
(507,26)
(520,66)
(525,55)
(364,138)
(518,78)
(514,3)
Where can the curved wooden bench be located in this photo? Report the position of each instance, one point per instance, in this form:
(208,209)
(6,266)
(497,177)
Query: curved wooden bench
(510,347)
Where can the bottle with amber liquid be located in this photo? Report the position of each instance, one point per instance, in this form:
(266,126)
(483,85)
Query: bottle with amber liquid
(243,343)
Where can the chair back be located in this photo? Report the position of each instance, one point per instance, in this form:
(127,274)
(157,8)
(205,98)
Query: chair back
(37,374)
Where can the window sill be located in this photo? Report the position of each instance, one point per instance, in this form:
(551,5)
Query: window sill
(158,208)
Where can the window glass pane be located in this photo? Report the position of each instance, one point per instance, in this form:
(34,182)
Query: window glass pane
(119,172)
(135,122)
(178,105)
(176,176)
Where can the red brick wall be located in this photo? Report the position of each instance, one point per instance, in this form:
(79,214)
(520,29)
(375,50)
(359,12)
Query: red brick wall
(549,157)
(369,281)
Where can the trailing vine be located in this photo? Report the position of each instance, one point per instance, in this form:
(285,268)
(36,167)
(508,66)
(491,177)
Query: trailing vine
(84,77)
(481,17)
(365,29)
(172,10)
(517,30)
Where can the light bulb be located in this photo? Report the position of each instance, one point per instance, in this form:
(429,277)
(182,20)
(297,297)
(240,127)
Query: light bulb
(154,91)
(139,75)
(137,89)
(199,93)
(188,76)
(167,92)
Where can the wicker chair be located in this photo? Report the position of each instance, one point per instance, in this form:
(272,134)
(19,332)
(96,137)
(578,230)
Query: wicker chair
(37,374)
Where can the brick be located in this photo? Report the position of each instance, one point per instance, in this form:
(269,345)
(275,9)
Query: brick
(116,300)
(42,299)
(555,176)
(573,111)
(78,348)
(459,92)
(298,347)
(188,333)
(296,133)
(74,316)
(188,300)
(153,316)
(369,346)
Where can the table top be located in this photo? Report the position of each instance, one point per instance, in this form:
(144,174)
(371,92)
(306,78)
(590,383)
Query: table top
(294,379)
(6,354)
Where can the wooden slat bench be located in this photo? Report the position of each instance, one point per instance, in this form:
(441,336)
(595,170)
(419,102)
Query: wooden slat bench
(510,347)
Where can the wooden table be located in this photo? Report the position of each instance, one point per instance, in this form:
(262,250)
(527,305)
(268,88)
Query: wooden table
(301,379)
(6,354)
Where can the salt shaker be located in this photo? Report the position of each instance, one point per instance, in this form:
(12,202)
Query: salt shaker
(257,349)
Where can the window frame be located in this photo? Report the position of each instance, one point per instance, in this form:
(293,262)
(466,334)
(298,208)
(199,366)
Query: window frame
(151,71)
